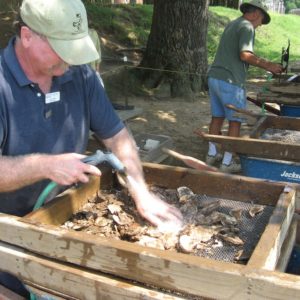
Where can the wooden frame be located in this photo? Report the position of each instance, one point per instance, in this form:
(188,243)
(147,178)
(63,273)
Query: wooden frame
(254,146)
(45,254)
(286,93)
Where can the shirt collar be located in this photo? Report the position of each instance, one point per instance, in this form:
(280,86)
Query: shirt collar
(14,66)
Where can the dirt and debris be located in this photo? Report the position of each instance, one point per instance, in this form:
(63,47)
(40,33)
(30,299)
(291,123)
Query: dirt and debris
(213,227)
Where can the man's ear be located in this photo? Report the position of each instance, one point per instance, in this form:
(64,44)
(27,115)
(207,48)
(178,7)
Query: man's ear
(25,36)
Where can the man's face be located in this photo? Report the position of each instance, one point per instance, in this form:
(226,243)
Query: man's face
(44,59)
(259,16)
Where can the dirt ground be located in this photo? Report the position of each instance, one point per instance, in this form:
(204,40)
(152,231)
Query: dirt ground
(178,118)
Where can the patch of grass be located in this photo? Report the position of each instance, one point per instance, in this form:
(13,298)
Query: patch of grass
(129,24)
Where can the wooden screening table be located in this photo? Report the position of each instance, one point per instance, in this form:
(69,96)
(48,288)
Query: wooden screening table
(76,265)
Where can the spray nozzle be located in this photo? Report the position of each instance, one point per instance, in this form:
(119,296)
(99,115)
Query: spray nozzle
(109,157)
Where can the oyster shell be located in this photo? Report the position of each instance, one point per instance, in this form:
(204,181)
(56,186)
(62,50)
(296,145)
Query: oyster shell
(235,240)
(210,207)
(255,210)
(185,194)
(149,241)
(236,213)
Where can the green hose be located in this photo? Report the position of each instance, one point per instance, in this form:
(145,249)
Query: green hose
(43,196)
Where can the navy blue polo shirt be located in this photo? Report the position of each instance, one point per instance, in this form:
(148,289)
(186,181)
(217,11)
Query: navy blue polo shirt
(59,122)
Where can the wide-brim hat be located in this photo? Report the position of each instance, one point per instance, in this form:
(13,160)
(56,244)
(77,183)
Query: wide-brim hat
(64,24)
(258,4)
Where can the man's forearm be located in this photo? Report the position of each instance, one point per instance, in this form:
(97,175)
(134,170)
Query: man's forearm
(124,147)
(19,171)
(256,61)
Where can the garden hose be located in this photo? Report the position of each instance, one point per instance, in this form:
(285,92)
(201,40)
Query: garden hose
(94,160)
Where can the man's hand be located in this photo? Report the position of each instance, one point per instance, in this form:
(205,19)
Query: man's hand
(148,205)
(275,68)
(158,212)
(67,169)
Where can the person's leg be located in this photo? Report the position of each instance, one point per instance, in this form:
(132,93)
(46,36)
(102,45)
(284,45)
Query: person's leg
(233,131)
(214,128)
(216,125)
(216,122)
(235,96)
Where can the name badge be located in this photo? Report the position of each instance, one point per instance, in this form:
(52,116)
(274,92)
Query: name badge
(52,97)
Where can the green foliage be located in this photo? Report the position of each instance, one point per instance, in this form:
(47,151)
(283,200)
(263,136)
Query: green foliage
(291,4)
(131,24)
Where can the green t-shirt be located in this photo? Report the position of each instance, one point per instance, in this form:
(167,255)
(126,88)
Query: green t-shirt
(238,36)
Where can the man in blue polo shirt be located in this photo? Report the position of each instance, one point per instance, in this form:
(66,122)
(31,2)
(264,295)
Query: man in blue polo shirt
(49,100)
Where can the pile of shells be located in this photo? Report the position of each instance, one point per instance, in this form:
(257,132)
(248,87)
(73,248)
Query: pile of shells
(113,214)
(282,135)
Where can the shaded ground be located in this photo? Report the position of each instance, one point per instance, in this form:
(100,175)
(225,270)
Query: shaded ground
(178,118)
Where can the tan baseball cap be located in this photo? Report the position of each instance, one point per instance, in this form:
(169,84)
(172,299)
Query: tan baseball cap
(257,4)
(64,24)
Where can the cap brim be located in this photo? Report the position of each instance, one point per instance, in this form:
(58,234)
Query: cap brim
(267,17)
(75,52)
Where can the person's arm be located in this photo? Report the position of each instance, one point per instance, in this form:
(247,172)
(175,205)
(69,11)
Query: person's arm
(64,169)
(256,61)
(149,206)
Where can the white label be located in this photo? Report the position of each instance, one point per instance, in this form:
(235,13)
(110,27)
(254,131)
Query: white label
(52,97)
(292,175)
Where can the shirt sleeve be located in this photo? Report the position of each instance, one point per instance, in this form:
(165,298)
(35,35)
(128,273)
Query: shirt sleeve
(246,38)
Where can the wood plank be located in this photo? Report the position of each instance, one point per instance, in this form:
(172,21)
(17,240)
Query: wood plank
(69,280)
(268,249)
(60,211)
(47,294)
(164,269)
(82,284)
(266,106)
(287,247)
(232,187)
(270,97)
(56,212)
(257,147)
(263,284)
(282,122)
(288,88)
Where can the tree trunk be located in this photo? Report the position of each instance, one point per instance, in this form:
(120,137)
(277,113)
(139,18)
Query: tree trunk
(177,46)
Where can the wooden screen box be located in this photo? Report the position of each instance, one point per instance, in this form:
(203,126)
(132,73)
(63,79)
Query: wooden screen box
(84,266)
(278,136)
